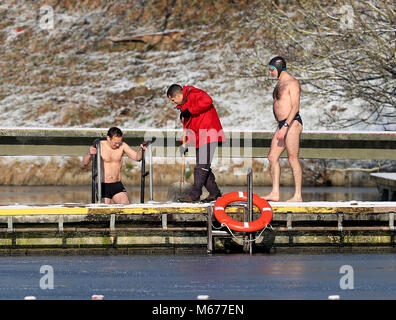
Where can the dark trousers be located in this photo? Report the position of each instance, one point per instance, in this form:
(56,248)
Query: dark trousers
(203,175)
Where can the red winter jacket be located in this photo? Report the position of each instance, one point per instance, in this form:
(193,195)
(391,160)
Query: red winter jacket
(204,124)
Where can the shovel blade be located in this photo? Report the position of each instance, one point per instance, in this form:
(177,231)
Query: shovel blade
(178,190)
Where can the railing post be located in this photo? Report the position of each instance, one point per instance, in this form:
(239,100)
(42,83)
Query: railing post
(147,143)
(93,182)
(209,213)
(150,152)
(250,205)
(99,168)
(96,174)
(143,177)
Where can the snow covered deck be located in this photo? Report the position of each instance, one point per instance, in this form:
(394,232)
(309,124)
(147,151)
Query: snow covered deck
(152,207)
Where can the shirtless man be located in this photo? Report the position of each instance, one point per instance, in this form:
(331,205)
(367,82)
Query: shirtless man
(286,97)
(112,150)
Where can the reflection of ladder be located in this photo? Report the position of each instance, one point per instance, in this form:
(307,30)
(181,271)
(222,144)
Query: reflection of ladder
(96,174)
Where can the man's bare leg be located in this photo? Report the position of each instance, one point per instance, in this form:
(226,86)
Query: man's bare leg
(276,149)
(292,147)
(121,198)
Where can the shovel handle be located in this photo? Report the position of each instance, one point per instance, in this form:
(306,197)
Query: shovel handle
(183,164)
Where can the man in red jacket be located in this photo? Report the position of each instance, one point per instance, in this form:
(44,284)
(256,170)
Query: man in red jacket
(203,129)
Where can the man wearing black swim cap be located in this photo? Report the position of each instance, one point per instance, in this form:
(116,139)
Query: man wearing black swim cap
(286,105)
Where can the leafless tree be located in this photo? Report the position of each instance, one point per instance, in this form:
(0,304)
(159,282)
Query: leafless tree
(341,50)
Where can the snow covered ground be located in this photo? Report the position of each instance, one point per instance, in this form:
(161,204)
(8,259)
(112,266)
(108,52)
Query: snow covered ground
(63,78)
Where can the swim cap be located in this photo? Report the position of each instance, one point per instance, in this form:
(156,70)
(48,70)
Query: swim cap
(278,63)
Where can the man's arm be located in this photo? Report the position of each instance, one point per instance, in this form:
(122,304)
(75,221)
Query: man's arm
(88,157)
(137,156)
(294,90)
(202,103)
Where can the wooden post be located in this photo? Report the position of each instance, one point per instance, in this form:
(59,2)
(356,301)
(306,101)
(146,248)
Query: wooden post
(289,221)
(164,219)
(340,218)
(112,222)
(10,227)
(60,223)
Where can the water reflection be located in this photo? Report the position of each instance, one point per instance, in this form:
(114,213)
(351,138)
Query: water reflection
(43,195)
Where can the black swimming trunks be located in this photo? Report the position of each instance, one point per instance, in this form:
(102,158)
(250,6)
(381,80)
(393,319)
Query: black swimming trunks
(109,190)
(297,117)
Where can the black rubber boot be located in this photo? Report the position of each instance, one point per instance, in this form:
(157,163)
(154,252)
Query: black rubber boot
(201,173)
(210,198)
(211,186)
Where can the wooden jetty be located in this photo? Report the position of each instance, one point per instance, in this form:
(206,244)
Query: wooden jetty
(386,184)
(177,228)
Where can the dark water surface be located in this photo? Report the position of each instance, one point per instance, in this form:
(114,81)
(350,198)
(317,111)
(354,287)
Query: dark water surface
(42,195)
(178,277)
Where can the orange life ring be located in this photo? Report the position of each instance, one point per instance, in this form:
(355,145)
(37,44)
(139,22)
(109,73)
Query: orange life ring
(260,223)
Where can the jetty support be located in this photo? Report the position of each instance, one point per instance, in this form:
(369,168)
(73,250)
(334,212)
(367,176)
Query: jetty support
(178,228)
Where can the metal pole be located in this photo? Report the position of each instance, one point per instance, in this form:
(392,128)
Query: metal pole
(99,169)
(94,176)
(209,228)
(250,205)
(144,173)
(143,177)
(151,171)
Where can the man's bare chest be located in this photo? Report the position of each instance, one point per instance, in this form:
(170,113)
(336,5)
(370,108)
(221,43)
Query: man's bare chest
(280,91)
(110,155)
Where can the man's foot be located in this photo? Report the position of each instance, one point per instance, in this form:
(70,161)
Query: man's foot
(188,199)
(211,198)
(272,197)
(295,199)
